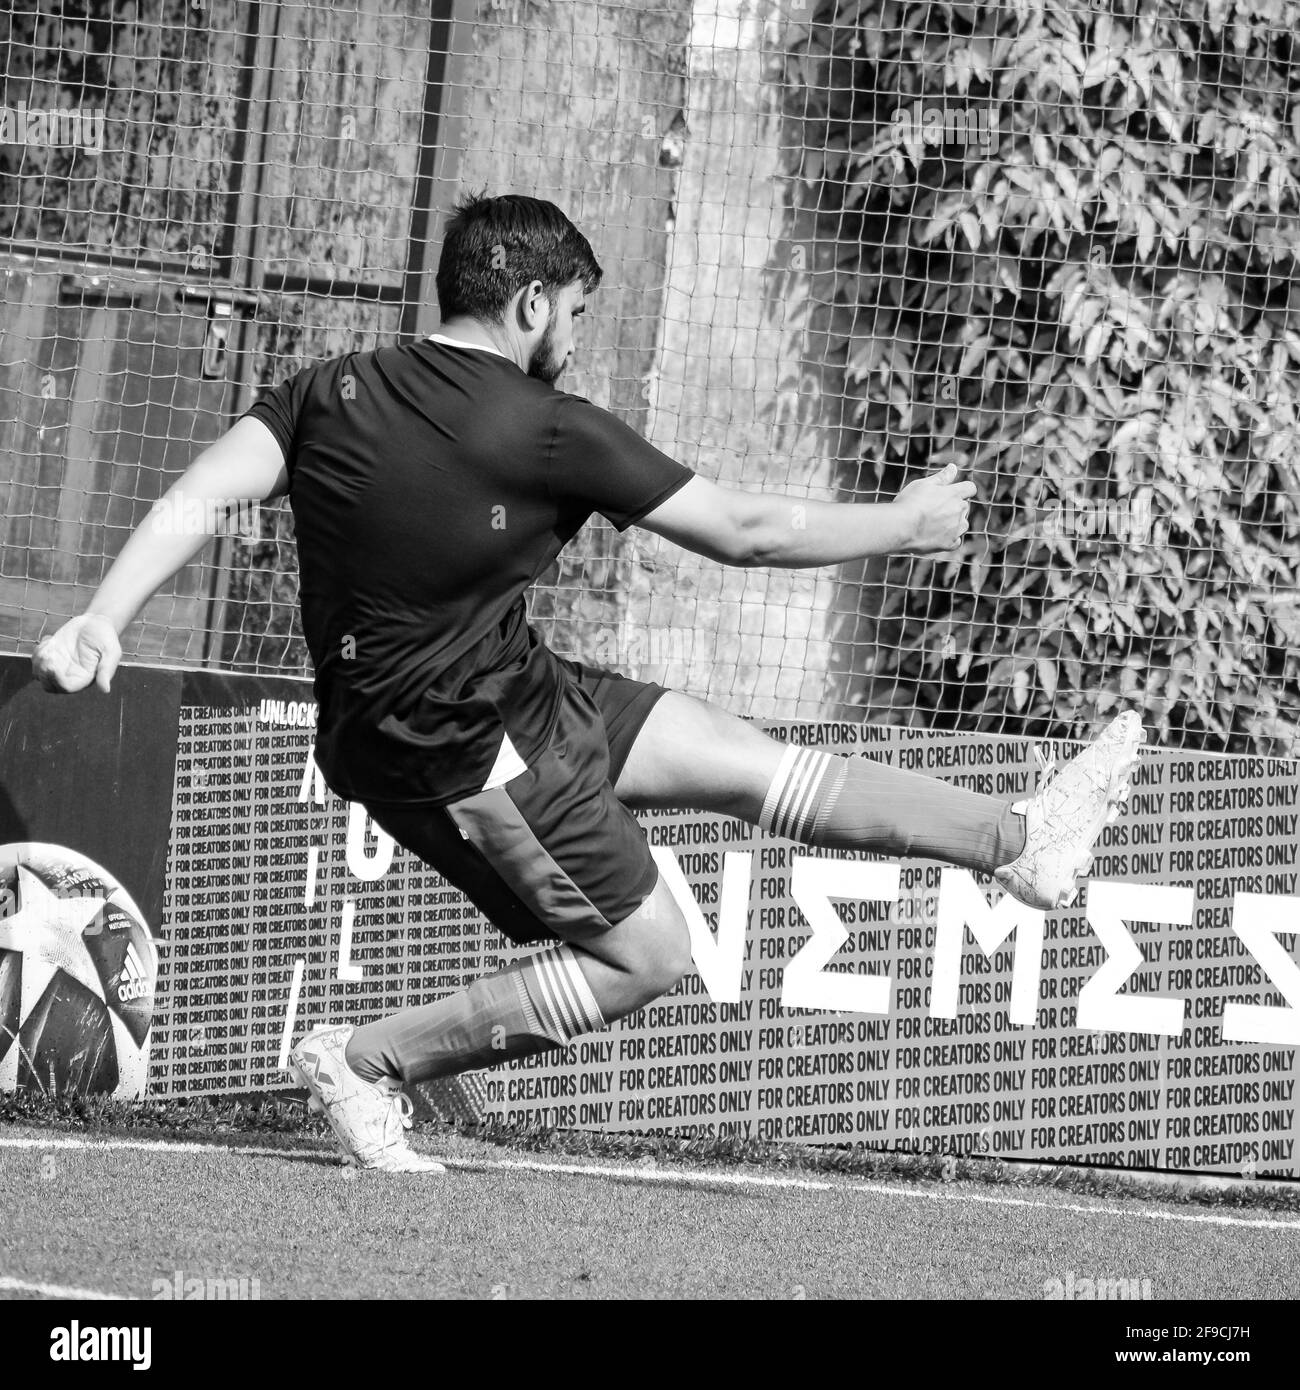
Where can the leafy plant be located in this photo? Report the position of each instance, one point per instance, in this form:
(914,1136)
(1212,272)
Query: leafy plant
(1097,315)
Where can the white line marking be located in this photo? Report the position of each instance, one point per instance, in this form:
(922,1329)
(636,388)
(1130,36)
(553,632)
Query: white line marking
(8,1285)
(309,892)
(290,1013)
(180,1146)
(681,1176)
(669,1175)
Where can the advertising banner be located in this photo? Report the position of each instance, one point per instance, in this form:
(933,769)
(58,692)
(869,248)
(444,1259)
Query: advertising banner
(835,998)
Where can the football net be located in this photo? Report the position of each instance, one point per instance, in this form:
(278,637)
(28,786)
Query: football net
(844,245)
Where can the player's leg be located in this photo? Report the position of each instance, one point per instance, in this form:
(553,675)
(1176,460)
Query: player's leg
(616,941)
(692,754)
(552,856)
(543,1001)
(356,1076)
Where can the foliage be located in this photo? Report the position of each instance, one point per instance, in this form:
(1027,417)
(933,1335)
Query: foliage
(1098,317)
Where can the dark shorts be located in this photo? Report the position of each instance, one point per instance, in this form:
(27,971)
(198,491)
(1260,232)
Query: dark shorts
(553,854)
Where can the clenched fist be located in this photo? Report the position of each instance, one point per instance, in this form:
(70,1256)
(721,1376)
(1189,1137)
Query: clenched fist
(84,649)
(939,508)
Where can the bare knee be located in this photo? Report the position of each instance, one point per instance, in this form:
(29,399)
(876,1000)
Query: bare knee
(670,955)
(663,942)
(653,946)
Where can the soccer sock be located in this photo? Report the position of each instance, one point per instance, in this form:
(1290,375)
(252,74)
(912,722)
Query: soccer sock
(534,1005)
(858,803)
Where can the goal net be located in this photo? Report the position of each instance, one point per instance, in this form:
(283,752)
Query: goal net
(844,245)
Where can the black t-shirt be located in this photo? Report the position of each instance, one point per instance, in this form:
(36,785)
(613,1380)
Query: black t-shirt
(430,486)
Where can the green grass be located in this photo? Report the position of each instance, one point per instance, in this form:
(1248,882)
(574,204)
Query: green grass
(117,1220)
(271,1120)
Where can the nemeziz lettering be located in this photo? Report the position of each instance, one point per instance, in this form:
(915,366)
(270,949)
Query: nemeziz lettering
(807,984)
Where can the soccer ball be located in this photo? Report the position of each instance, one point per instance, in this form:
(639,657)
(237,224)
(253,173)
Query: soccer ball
(78,969)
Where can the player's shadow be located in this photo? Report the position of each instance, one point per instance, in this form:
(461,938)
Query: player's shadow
(249,1146)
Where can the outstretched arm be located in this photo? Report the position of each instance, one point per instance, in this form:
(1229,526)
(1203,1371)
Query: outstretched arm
(244,465)
(928,517)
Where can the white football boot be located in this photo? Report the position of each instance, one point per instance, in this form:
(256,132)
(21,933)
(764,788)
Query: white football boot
(369,1119)
(1068,812)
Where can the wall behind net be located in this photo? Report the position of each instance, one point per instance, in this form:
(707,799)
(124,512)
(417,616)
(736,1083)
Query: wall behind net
(843,245)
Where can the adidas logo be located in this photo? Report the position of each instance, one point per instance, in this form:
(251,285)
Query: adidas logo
(134,981)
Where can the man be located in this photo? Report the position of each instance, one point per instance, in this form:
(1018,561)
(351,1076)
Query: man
(431,484)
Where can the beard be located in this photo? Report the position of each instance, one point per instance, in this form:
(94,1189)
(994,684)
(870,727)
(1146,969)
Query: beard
(542,365)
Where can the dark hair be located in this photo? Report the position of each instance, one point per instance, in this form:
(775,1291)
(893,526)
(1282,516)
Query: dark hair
(493,247)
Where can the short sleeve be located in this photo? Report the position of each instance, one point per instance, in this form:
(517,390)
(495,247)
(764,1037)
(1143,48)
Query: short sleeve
(280,408)
(598,463)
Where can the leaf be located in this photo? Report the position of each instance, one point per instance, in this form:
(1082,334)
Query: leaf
(974,354)
(1047,677)
(1146,233)
(1097,338)
(1020,689)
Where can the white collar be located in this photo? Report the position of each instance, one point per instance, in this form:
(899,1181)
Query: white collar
(456,343)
